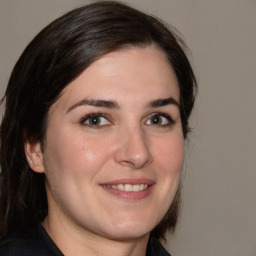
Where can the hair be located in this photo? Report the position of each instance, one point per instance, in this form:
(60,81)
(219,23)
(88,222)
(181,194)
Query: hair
(53,59)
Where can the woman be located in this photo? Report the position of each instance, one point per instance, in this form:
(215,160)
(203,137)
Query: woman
(92,138)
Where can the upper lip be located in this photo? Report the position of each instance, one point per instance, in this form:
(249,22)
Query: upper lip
(129,181)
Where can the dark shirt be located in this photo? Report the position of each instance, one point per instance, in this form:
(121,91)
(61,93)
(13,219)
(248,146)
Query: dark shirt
(36,242)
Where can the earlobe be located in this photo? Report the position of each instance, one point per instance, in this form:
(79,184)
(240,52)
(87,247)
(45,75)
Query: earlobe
(34,156)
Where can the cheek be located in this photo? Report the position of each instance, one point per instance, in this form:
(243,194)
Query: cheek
(71,167)
(170,154)
(76,154)
(91,152)
(169,162)
(169,157)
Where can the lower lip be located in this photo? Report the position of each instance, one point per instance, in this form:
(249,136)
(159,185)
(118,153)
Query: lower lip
(130,195)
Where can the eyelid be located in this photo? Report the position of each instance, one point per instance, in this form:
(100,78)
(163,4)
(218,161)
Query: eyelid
(83,120)
(171,121)
(91,115)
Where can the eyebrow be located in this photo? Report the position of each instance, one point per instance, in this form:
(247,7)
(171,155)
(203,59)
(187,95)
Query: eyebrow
(114,105)
(95,103)
(163,102)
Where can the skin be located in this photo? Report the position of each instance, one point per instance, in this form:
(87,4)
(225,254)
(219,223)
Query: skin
(131,141)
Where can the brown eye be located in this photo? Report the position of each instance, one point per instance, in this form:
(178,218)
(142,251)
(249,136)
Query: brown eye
(160,119)
(95,120)
(156,119)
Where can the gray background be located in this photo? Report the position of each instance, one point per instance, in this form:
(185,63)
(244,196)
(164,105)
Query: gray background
(219,206)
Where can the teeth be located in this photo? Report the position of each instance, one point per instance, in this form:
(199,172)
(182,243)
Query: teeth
(120,186)
(128,187)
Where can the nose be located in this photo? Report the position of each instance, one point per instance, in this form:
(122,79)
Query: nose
(133,150)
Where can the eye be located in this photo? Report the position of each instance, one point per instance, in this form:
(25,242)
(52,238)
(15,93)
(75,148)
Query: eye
(95,120)
(160,119)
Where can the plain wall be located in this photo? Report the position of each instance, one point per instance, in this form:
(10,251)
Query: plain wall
(219,206)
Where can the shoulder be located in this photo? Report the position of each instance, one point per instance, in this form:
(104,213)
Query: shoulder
(24,243)
(11,247)
(155,248)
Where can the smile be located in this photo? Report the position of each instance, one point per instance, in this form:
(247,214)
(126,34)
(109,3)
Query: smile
(128,187)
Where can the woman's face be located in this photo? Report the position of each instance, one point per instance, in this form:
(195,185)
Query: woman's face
(114,146)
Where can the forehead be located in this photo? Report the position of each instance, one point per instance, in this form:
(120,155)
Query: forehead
(133,73)
(145,61)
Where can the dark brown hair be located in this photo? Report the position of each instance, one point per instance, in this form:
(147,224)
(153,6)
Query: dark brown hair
(54,58)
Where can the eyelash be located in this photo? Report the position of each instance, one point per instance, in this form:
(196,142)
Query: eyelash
(96,115)
(162,115)
(99,115)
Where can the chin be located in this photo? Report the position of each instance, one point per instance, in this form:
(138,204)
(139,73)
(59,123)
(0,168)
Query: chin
(126,235)
(129,231)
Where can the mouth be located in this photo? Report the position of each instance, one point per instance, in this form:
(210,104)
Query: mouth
(129,189)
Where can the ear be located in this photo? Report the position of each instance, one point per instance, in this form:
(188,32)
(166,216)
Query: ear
(34,156)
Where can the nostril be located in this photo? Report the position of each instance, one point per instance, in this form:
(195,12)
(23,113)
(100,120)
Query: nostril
(134,164)
(135,161)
